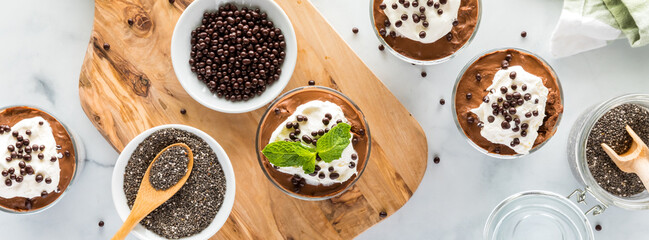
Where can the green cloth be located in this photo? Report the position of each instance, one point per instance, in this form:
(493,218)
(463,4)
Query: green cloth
(632,17)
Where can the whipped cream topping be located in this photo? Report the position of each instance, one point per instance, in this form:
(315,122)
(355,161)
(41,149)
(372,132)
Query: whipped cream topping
(513,111)
(424,21)
(315,111)
(41,174)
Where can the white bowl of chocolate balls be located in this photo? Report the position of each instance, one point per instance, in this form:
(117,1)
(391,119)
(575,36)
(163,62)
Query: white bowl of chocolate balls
(233,56)
(202,205)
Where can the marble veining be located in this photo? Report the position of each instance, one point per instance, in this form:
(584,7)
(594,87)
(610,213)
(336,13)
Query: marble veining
(42,45)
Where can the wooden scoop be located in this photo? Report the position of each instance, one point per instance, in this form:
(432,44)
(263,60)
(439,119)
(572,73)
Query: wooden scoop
(148,198)
(636,160)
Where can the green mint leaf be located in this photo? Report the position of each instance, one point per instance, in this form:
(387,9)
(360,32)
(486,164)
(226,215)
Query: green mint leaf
(331,144)
(290,154)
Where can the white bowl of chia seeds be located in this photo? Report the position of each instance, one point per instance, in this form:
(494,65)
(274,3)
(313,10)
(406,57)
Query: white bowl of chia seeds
(234,60)
(200,208)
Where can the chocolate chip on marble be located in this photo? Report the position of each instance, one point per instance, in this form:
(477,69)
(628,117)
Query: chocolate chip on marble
(442,101)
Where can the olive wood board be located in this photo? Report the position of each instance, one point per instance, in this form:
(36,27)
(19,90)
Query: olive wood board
(132,87)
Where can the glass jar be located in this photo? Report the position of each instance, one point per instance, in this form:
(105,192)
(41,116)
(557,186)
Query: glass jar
(577,153)
(537,215)
(455,114)
(303,95)
(79,153)
(418,61)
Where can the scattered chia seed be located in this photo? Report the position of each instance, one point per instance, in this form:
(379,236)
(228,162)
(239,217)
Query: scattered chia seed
(194,206)
(609,129)
(170,167)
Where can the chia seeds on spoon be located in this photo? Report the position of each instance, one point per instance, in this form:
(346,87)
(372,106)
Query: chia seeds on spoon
(609,129)
(170,167)
(195,205)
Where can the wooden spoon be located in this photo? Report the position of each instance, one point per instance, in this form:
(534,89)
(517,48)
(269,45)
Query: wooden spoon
(148,198)
(636,160)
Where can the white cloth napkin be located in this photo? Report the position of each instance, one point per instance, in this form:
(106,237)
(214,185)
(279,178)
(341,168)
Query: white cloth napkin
(584,25)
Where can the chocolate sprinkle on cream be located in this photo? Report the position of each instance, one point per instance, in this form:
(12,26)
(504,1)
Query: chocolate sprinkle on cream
(193,208)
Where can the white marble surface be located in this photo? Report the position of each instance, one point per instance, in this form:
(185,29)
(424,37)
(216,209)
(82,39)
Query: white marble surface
(42,44)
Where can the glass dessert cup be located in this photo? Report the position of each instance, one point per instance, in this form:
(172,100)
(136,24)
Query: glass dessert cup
(578,161)
(79,156)
(415,61)
(302,95)
(455,114)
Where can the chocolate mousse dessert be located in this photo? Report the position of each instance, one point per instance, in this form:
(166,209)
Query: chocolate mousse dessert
(38,162)
(313,143)
(426,30)
(508,102)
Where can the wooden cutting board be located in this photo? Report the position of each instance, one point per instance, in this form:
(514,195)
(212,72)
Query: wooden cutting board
(132,87)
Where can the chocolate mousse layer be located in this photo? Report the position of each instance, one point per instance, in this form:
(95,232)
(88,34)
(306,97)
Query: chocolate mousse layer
(478,77)
(467,21)
(283,108)
(13,115)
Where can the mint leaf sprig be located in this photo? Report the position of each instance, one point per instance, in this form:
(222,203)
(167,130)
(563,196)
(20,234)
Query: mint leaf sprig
(294,154)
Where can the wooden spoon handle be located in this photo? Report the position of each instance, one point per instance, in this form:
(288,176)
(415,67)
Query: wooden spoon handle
(133,219)
(642,170)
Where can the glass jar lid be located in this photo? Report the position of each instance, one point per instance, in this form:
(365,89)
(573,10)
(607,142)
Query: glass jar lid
(537,215)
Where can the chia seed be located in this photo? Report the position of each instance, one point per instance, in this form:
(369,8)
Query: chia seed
(195,205)
(610,129)
(170,167)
